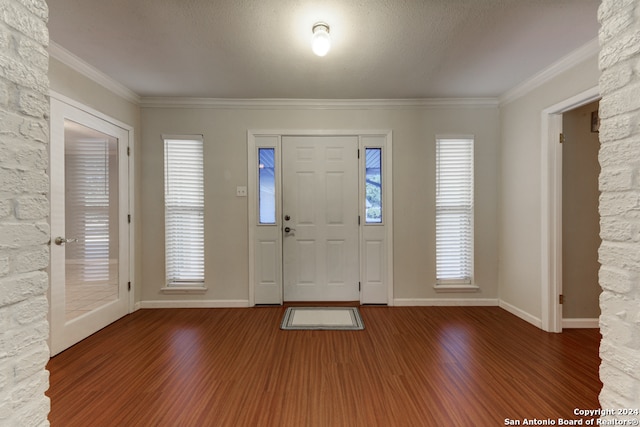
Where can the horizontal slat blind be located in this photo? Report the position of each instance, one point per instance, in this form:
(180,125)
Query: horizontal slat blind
(184,211)
(454,210)
(87,208)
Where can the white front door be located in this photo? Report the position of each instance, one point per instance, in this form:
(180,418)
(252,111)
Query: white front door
(320,218)
(89,225)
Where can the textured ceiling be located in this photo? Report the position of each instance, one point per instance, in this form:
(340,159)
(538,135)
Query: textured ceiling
(380,48)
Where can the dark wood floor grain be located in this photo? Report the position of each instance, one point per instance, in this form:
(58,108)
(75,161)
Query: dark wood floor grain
(411,366)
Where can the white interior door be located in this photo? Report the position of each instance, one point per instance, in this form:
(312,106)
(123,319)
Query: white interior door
(89,225)
(320,218)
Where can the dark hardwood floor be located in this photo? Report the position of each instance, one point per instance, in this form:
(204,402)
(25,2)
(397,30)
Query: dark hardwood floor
(411,366)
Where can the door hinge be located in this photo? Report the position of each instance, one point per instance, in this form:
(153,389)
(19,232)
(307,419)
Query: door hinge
(358,153)
(359,286)
(561,139)
(129,218)
(128,151)
(128,286)
(358,219)
(561,299)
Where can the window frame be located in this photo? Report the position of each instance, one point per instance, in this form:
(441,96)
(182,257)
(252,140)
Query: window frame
(184,284)
(381,185)
(276,183)
(466,280)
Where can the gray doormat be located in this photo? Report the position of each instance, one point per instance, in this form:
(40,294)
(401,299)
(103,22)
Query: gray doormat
(322,318)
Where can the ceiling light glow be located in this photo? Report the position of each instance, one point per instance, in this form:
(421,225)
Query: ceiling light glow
(321,42)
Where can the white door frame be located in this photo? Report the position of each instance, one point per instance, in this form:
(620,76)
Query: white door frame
(265,241)
(131,186)
(551,203)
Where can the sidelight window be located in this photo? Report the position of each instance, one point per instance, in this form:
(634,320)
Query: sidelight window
(373,185)
(267,185)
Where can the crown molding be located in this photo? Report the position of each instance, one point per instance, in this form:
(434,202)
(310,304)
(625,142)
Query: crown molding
(581,54)
(69,59)
(574,58)
(317,104)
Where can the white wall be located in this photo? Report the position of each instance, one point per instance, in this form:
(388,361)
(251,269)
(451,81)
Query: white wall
(620,204)
(226,238)
(520,187)
(24,213)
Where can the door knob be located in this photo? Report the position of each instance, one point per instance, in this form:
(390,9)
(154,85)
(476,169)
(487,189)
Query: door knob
(61,241)
(289,229)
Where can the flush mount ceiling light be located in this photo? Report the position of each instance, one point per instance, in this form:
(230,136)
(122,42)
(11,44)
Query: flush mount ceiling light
(321,42)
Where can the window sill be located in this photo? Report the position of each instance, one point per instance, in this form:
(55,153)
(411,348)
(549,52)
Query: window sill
(184,290)
(456,288)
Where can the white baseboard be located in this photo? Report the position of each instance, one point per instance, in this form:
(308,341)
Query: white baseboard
(195,304)
(136,306)
(445,302)
(521,314)
(581,323)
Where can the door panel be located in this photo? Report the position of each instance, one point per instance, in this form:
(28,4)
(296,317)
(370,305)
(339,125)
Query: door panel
(89,228)
(320,238)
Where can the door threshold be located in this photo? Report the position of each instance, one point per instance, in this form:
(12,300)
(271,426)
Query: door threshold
(321,303)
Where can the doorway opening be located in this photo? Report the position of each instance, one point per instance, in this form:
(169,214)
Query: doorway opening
(551,202)
(580,288)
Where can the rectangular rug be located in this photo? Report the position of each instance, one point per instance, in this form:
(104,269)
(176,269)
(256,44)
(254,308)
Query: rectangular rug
(322,318)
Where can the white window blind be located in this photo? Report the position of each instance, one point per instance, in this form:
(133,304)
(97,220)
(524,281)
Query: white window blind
(184,211)
(89,204)
(454,210)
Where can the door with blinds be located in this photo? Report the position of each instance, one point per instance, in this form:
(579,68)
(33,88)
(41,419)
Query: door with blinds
(89,224)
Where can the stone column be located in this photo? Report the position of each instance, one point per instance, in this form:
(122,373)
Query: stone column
(620,204)
(24,212)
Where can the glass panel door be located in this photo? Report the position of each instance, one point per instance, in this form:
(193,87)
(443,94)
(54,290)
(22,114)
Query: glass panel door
(91,219)
(89,225)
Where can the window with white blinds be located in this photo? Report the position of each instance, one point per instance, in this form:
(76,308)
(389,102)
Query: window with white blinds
(184,211)
(454,210)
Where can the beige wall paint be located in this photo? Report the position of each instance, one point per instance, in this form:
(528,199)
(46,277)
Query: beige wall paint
(226,233)
(520,192)
(580,217)
(78,87)
(68,82)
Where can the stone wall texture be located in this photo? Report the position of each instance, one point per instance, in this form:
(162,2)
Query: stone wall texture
(620,204)
(24,210)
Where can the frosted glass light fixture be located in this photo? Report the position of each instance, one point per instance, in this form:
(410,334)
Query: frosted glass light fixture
(321,42)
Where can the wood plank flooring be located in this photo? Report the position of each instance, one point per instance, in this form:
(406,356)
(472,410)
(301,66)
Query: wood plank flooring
(411,366)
